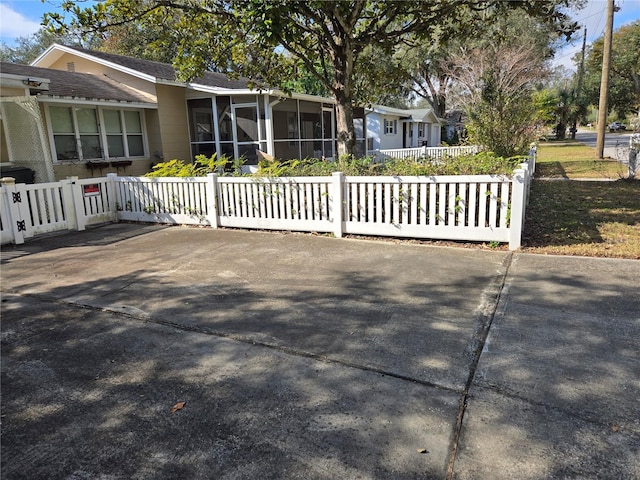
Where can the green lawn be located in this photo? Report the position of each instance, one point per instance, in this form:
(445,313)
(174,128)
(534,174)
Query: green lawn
(592,218)
(570,159)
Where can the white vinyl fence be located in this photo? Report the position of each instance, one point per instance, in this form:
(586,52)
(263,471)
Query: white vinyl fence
(29,210)
(485,208)
(435,153)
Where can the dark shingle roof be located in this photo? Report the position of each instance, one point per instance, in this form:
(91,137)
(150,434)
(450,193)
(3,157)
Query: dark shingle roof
(166,71)
(76,85)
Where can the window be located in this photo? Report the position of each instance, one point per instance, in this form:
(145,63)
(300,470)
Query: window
(84,133)
(390,127)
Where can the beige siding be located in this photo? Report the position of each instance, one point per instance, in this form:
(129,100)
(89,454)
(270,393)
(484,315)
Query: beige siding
(154,136)
(172,117)
(12,92)
(82,65)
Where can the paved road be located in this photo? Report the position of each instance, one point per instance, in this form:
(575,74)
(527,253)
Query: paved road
(309,357)
(616,145)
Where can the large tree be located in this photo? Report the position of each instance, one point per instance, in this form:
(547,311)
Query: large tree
(428,63)
(268,40)
(624,82)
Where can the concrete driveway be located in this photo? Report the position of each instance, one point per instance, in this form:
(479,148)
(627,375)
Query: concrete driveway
(301,356)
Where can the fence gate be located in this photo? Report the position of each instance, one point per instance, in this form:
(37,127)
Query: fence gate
(72,204)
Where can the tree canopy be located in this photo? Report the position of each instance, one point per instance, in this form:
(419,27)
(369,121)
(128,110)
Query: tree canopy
(624,82)
(269,41)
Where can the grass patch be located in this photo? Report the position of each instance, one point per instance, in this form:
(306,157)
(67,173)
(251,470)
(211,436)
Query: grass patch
(591,218)
(600,219)
(570,159)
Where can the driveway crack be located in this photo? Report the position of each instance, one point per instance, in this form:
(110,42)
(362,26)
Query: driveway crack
(484,316)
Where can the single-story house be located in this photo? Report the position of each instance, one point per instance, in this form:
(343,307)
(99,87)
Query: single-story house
(85,113)
(394,128)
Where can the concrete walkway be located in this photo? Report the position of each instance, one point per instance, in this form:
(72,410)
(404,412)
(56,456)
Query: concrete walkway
(291,356)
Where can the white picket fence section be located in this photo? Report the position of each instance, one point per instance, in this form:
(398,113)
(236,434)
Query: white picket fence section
(434,153)
(29,210)
(476,208)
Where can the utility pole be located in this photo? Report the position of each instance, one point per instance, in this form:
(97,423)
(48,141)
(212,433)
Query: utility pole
(604,82)
(577,98)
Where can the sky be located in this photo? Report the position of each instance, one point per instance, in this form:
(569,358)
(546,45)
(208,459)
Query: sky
(21,18)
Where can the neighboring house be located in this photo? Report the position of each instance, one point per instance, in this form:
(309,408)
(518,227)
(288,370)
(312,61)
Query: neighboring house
(91,113)
(393,128)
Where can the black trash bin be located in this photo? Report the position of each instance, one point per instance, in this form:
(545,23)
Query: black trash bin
(21,174)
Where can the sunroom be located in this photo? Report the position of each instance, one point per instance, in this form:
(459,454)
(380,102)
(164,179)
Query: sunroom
(250,125)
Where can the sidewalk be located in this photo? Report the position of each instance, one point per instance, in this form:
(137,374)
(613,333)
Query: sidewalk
(302,356)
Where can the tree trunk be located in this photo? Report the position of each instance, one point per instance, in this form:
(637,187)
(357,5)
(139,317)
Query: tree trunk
(344,123)
(342,91)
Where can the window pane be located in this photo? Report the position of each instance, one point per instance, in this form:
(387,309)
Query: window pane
(132,121)
(112,121)
(201,120)
(358,125)
(90,145)
(87,121)
(249,153)
(136,146)
(327,124)
(285,119)
(328,149)
(116,147)
(246,124)
(65,147)
(61,121)
(286,150)
(206,149)
(226,149)
(224,118)
(311,120)
(311,149)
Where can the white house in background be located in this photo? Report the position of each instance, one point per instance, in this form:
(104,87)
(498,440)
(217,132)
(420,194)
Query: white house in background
(393,128)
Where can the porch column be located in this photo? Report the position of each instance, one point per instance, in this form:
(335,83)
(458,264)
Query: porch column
(416,141)
(268,127)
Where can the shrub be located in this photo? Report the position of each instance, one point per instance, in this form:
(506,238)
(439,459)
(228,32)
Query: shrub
(484,163)
(200,167)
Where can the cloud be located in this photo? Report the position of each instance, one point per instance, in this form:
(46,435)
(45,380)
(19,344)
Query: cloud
(14,24)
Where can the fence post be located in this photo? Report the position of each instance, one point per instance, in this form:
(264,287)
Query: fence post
(112,179)
(336,202)
(518,184)
(18,224)
(78,205)
(212,199)
(68,203)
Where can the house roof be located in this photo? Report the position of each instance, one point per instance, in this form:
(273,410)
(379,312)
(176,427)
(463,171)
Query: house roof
(426,115)
(148,69)
(75,85)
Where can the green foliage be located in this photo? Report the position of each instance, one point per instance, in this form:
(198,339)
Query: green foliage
(484,163)
(624,86)
(201,166)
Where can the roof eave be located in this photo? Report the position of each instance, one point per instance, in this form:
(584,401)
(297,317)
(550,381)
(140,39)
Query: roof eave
(61,48)
(94,101)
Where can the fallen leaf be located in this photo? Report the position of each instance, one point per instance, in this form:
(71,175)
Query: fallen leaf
(422,450)
(177,406)
(615,428)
